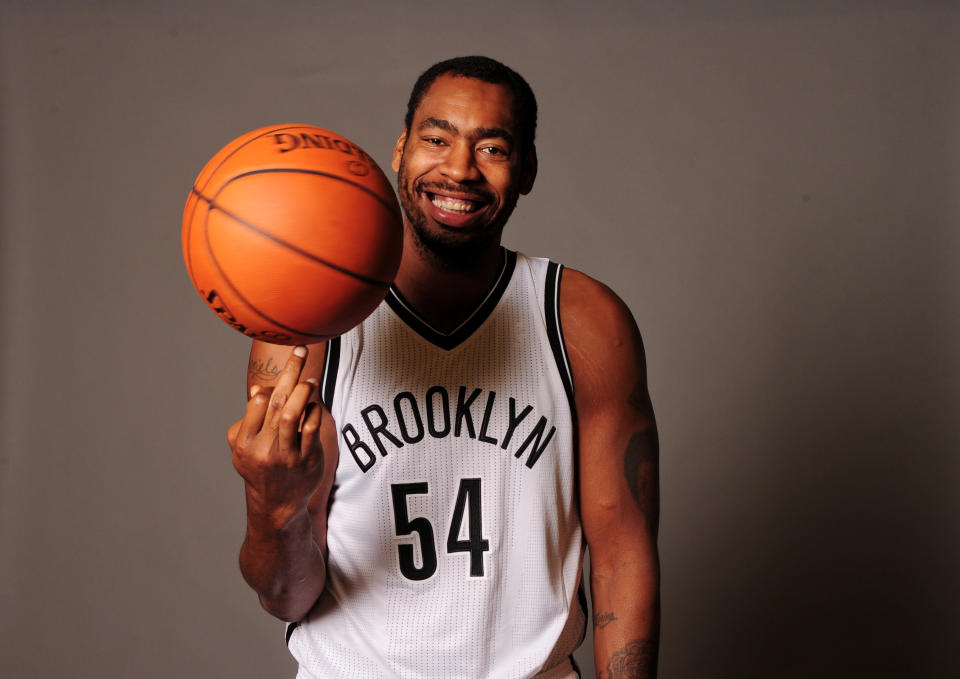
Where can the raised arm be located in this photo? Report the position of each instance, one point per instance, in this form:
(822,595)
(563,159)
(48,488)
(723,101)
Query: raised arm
(618,475)
(285,447)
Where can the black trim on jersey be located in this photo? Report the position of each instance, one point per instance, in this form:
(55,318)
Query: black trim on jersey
(582,598)
(576,667)
(555,329)
(558,345)
(289,633)
(331,364)
(454,338)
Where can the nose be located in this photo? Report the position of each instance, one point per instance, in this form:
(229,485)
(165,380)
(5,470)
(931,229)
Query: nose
(459,164)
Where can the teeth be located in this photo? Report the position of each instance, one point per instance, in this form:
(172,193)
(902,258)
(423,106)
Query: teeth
(453,204)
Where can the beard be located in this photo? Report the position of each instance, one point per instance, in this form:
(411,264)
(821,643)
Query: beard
(451,249)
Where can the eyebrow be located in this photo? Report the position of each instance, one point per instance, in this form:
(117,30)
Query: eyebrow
(440,123)
(477,133)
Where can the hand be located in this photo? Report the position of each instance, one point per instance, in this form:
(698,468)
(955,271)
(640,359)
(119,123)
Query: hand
(276,448)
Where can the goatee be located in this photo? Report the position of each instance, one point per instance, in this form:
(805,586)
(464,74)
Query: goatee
(450,250)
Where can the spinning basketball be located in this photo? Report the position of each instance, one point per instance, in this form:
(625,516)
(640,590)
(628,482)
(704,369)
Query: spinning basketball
(292,234)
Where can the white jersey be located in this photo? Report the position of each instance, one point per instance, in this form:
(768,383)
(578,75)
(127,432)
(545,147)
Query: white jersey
(455,545)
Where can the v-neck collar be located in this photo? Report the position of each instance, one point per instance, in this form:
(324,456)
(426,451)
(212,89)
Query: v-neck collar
(450,340)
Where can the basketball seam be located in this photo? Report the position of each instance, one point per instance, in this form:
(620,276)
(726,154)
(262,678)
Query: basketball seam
(297,170)
(300,251)
(233,288)
(267,131)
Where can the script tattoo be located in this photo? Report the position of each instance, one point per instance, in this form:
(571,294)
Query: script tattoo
(636,660)
(601,620)
(264,370)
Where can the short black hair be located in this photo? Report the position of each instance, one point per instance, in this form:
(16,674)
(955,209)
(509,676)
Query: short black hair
(490,71)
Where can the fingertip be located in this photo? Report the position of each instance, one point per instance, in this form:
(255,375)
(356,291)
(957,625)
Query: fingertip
(254,389)
(299,351)
(314,396)
(259,397)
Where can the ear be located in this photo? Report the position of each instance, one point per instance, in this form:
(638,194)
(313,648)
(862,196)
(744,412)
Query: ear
(529,172)
(398,151)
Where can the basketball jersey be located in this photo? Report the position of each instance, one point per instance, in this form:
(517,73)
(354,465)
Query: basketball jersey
(455,545)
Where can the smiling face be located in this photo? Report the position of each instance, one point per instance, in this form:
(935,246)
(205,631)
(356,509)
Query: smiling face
(460,167)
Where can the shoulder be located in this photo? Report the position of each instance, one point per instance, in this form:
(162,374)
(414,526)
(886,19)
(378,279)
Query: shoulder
(586,301)
(601,336)
(594,318)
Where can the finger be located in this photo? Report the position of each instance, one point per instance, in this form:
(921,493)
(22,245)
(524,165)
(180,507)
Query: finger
(253,417)
(292,414)
(285,385)
(310,428)
(233,432)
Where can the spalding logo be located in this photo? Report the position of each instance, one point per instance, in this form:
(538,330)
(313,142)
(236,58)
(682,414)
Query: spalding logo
(286,142)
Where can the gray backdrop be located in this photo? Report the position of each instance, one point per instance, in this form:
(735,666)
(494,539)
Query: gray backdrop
(771,186)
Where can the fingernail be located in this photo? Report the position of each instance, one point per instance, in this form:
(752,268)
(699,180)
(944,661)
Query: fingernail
(312,380)
(254,389)
(300,351)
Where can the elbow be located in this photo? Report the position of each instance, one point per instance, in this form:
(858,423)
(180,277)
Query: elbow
(286,599)
(286,610)
(290,604)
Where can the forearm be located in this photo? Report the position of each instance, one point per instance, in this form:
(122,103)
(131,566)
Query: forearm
(281,560)
(626,621)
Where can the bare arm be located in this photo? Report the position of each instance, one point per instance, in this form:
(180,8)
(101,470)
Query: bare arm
(618,476)
(281,448)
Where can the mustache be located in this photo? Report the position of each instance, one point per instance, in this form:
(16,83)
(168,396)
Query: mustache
(452,188)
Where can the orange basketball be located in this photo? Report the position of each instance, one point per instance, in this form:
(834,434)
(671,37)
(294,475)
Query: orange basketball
(292,234)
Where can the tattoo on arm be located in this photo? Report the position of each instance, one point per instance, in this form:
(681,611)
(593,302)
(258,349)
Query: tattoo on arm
(264,370)
(636,660)
(640,462)
(639,398)
(601,620)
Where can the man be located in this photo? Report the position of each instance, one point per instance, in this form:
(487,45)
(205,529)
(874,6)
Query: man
(418,490)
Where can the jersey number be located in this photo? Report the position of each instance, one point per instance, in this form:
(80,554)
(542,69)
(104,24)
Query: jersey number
(468,502)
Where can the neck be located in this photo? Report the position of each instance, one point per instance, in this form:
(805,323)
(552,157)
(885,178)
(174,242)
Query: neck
(444,295)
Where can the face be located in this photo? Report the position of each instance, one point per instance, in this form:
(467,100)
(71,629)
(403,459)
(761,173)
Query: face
(460,169)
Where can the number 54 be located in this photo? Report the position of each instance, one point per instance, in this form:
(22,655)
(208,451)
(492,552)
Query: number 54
(468,503)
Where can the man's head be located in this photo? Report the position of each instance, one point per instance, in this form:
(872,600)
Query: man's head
(489,71)
(466,154)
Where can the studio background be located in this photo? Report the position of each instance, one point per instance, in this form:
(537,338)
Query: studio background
(772,187)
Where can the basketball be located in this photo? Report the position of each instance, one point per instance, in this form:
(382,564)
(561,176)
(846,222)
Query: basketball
(292,234)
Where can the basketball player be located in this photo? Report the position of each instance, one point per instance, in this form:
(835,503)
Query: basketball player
(419,490)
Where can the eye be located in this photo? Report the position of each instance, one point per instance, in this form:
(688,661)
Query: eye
(494,151)
(433,141)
